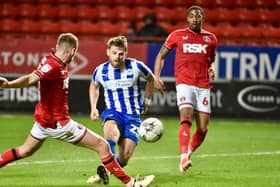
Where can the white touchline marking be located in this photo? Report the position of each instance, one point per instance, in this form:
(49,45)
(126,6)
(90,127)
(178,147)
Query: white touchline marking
(150,158)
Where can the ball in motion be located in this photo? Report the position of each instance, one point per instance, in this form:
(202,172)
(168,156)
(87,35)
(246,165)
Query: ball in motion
(151,129)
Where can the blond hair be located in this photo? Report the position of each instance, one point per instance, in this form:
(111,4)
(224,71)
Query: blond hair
(118,41)
(68,39)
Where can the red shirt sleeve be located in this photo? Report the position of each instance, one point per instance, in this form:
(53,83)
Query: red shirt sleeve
(171,41)
(47,70)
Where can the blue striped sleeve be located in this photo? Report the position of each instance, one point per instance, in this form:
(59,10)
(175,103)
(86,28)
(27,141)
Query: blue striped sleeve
(143,68)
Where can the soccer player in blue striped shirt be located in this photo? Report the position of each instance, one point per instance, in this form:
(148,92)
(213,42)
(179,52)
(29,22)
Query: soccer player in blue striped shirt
(120,79)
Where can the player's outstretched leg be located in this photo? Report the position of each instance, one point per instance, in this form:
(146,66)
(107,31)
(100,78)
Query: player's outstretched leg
(141,181)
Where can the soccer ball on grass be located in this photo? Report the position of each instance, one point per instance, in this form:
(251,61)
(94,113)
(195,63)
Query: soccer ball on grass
(151,129)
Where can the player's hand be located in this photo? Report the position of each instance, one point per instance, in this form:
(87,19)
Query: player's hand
(94,114)
(3,82)
(145,110)
(159,85)
(212,73)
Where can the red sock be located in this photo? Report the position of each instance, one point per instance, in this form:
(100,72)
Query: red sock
(197,139)
(9,156)
(113,166)
(184,134)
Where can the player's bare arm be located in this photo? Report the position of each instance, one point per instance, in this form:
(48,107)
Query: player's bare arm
(148,92)
(20,82)
(211,70)
(159,63)
(93,97)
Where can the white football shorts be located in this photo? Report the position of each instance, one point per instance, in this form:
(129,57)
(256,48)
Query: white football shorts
(194,97)
(72,132)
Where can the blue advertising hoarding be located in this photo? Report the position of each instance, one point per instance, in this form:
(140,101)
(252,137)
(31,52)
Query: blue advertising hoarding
(233,62)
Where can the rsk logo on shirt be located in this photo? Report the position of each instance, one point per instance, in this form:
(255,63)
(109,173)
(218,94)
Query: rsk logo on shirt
(194,48)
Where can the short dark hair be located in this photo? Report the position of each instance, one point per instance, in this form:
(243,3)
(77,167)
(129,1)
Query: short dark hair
(195,7)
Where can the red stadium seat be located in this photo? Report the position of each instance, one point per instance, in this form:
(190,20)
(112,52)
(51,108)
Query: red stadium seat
(88,27)
(125,13)
(124,2)
(269,15)
(66,11)
(147,3)
(229,31)
(86,12)
(84,2)
(103,2)
(123,27)
(206,3)
(106,13)
(166,26)
(28,11)
(226,15)
(245,4)
(184,3)
(272,33)
(108,29)
(165,14)
(225,3)
(180,14)
(10,26)
(266,3)
(249,31)
(165,3)
(248,15)
(30,26)
(9,10)
(46,1)
(47,11)
(68,2)
(213,29)
(50,27)
(141,11)
(68,26)
(180,25)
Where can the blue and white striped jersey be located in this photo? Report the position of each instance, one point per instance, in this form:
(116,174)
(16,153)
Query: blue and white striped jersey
(122,85)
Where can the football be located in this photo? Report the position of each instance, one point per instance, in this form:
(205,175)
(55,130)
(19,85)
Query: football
(151,129)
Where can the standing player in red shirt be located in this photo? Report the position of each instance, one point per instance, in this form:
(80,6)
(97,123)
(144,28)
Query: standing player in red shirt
(51,113)
(195,52)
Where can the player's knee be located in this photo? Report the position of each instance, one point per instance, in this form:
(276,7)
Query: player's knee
(127,154)
(103,147)
(202,130)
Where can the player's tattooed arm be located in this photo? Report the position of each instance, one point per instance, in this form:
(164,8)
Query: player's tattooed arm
(164,51)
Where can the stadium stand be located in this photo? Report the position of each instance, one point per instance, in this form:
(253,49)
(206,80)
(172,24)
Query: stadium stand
(241,19)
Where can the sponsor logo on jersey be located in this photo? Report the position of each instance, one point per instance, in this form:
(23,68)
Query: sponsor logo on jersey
(194,48)
(45,68)
(185,37)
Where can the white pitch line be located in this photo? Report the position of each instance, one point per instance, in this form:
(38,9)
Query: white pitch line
(150,158)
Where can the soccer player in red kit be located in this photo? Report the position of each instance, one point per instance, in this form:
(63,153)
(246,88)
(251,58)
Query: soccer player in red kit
(195,52)
(51,113)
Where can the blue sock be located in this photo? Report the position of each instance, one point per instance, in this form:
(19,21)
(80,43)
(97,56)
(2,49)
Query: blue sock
(112,146)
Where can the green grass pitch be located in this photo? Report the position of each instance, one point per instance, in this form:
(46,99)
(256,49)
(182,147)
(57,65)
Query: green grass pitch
(236,153)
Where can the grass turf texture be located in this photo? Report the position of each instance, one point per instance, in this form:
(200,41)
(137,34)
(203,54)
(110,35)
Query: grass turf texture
(236,153)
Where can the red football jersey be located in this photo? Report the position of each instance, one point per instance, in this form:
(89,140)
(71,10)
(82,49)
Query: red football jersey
(53,87)
(193,55)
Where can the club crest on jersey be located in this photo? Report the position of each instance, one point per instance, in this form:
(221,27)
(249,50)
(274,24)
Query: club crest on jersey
(206,39)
